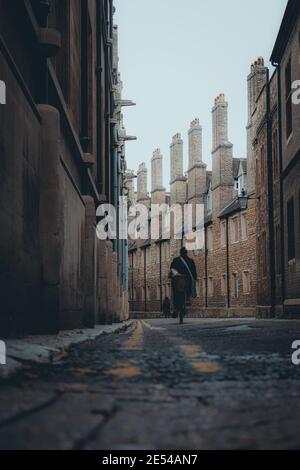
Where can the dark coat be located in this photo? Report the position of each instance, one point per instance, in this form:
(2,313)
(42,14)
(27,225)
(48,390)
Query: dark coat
(181,268)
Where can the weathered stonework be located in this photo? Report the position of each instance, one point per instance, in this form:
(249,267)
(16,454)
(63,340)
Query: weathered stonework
(226,266)
(56,143)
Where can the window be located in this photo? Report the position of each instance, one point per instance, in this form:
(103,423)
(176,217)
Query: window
(244,227)
(235,281)
(158,293)
(209,239)
(236,184)
(262,166)
(223,234)
(198,289)
(246,282)
(241,184)
(264,253)
(277,249)
(291,229)
(210,287)
(223,285)
(288,99)
(204,286)
(234,230)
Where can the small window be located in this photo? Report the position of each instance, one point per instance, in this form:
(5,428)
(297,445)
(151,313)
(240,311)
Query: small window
(158,293)
(246,282)
(291,229)
(235,281)
(223,234)
(264,253)
(234,230)
(244,227)
(241,184)
(210,287)
(223,285)
(204,286)
(262,166)
(209,239)
(277,249)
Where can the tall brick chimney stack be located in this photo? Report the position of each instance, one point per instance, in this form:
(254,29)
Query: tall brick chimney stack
(220,121)
(142,184)
(158,192)
(178,180)
(195,143)
(222,172)
(256,81)
(197,169)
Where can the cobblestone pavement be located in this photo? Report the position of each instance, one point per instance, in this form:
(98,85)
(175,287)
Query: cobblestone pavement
(209,384)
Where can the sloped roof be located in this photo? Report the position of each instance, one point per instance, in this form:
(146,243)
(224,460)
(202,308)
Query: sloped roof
(233,206)
(289,20)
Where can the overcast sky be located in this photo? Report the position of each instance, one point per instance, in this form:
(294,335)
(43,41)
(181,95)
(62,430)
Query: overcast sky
(176,56)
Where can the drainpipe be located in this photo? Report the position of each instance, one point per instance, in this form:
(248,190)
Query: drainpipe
(270,198)
(227,264)
(132,279)
(206,266)
(282,234)
(99,97)
(84,131)
(145,278)
(160,277)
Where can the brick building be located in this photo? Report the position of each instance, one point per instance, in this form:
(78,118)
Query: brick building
(62,153)
(226,262)
(277,148)
(265,150)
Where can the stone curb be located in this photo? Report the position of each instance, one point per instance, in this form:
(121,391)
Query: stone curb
(45,349)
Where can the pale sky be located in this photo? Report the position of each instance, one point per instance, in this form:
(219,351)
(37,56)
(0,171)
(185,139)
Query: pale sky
(176,56)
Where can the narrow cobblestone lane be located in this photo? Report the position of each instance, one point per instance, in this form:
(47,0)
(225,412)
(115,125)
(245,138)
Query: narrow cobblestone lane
(209,384)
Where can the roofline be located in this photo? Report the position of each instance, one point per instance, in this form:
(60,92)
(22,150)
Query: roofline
(289,20)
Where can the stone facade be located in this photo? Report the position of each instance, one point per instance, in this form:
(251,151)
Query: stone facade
(58,138)
(226,262)
(265,148)
(286,58)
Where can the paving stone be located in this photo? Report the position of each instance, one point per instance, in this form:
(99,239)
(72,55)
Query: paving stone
(174,400)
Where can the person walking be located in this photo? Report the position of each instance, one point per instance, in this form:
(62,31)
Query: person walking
(184,275)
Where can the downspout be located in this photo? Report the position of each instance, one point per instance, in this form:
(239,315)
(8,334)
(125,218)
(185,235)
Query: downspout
(160,277)
(270,198)
(84,127)
(99,99)
(115,195)
(227,264)
(132,279)
(206,266)
(145,278)
(282,241)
